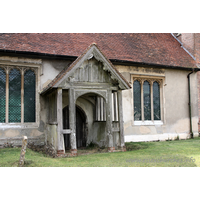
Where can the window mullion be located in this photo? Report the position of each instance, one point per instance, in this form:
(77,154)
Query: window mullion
(161,101)
(152,113)
(142,100)
(7,94)
(22,96)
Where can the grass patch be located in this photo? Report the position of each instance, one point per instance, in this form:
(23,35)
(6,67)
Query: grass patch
(177,153)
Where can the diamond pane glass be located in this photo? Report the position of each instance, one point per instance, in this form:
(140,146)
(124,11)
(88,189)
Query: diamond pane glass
(156,100)
(29,96)
(2,95)
(147,100)
(14,96)
(137,100)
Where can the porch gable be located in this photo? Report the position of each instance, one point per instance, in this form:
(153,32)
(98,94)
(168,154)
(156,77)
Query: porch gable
(91,67)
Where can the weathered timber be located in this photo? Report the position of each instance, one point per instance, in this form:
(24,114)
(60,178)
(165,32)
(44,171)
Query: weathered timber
(120,117)
(66,131)
(72,118)
(60,121)
(109,118)
(23,151)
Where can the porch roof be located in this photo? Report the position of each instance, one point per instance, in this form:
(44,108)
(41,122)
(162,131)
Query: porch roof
(67,70)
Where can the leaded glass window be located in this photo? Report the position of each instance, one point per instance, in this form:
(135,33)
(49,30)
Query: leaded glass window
(137,100)
(29,96)
(15,96)
(156,101)
(147,100)
(2,96)
(16,90)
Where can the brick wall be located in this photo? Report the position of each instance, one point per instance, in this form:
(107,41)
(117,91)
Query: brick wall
(197,47)
(188,40)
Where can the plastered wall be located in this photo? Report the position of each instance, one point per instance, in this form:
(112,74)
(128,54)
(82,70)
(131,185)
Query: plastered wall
(175,109)
(175,118)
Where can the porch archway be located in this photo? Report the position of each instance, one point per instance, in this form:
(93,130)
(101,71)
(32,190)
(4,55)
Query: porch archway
(81,127)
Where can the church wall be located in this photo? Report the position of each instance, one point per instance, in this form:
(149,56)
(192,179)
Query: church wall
(174,107)
(50,69)
(14,132)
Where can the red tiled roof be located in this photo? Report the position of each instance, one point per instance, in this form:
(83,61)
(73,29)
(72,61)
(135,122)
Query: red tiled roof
(66,70)
(149,48)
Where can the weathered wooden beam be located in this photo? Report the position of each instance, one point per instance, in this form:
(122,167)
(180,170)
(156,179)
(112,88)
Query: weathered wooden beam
(99,110)
(104,110)
(72,118)
(60,121)
(120,117)
(116,107)
(66,131)
(23,151)
(109,118)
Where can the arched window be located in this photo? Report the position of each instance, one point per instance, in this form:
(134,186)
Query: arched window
(2,96)
(137,100)
(15,96)
(156,100)
(147,100)
(29,96)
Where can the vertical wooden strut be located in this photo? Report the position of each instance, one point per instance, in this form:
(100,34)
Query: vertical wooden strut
(61,149)
(111,148)
(120,117)
(72,121)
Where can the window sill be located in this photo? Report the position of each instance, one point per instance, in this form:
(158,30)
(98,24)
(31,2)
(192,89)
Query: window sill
(18,125)
(151,123)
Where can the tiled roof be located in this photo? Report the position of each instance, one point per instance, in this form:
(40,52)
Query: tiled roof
(149,48)
(66,70)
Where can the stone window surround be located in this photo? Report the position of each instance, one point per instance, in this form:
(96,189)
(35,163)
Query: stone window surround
(9,63)
(151,79)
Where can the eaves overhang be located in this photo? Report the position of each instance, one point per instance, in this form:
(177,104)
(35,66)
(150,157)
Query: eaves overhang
(113,61)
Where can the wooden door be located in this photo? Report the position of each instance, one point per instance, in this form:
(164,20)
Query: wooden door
(80,128)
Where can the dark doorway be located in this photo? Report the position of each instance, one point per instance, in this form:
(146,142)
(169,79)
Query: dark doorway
(80,128)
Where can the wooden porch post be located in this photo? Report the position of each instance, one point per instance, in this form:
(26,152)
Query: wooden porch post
(120,117)
(61,149)
(72,121)
(111,147)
